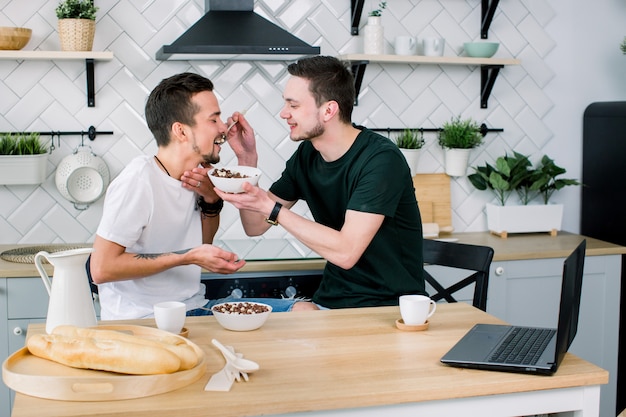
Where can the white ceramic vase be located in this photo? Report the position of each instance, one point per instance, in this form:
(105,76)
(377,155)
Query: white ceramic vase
(373,37)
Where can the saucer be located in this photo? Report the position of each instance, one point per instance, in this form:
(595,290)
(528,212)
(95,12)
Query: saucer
(405,327)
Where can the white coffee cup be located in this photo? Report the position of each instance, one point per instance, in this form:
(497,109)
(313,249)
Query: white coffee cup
(433,46)
(416,309)
(170,316)
(405,45)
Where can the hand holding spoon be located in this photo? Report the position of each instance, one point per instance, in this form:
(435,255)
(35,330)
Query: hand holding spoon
(224,137)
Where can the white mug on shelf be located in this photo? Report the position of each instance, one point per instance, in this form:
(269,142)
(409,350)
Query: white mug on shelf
(433,46)
(405,45)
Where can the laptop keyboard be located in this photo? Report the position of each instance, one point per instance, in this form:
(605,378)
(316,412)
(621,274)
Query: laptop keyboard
(523,346)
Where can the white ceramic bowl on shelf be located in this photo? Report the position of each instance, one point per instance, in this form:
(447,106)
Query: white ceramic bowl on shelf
(481,49)
(234,184)
(239,315)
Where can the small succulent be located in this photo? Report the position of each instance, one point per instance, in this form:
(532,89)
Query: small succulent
(622,46)
(76,9)
(379,12)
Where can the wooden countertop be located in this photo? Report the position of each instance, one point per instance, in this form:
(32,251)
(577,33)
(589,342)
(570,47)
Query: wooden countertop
(514,247)
(325,360)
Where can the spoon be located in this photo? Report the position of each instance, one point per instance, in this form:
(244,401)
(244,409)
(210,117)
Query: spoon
(224,137)
(241,364)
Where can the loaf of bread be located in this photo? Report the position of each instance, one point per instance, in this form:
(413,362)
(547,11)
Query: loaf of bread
(103,354)
(176,345)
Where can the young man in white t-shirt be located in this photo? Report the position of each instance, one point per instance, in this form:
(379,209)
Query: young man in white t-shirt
(161,213)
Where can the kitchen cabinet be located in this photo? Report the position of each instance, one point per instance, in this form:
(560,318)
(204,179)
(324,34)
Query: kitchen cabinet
(22,301)
(527,292)
(89,57)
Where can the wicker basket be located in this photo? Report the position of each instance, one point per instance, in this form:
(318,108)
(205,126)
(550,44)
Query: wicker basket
(76,34)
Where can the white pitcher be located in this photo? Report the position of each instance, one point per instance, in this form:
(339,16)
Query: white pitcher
(71,301)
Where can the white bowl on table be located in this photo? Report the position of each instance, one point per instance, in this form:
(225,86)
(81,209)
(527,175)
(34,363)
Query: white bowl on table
(233,184)
(241,320)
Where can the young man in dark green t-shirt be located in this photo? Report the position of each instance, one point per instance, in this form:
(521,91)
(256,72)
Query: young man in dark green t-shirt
(356,183)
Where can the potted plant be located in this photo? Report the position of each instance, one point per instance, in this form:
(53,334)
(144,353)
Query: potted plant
(374,33)
(77,24)
(410,141)
(457,138)
(23,159)
(516,174)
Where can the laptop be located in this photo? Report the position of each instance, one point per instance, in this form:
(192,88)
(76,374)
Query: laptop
(496,347)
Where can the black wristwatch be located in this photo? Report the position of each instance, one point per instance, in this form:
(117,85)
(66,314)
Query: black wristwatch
(273,218)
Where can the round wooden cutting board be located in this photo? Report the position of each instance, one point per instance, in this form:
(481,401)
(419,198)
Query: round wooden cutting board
(42,378)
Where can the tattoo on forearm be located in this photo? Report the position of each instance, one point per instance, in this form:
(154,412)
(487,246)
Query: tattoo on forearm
(157,255)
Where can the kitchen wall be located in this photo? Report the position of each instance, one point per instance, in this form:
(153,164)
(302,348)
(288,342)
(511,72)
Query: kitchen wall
(569,51)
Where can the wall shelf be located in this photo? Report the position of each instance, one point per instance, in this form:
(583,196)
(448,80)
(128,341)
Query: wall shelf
(487,11)
(89,57)
(489,67)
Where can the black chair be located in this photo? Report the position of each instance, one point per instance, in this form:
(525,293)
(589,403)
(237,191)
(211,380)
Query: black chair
(460,256)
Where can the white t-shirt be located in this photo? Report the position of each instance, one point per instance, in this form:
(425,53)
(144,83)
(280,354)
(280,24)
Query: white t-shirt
(149,212)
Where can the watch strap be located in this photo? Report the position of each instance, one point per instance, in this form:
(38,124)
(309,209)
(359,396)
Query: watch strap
(273,218)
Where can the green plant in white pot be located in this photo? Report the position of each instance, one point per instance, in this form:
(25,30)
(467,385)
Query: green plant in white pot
(77,24)
(516,174)
(410,142)
(457,138)
(23,159)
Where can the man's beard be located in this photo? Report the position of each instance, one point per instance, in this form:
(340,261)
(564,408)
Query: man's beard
(311,134)
(208,159)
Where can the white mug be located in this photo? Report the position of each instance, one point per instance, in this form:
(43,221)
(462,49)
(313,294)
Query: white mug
(416,309)
(433,46)
(405,45)
(170,316)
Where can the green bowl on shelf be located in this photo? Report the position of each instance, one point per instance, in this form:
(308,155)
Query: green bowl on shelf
(481,49)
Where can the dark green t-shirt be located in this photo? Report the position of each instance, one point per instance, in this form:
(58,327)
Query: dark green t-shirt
(371,177)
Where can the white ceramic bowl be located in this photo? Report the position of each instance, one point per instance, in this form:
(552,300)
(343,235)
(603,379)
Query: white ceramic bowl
(240,322)
(481,49)
(233,185)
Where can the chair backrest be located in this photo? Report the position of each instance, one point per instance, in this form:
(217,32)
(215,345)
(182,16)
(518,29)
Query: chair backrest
(461,256)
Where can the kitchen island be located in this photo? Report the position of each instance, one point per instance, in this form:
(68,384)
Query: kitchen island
(523,289)
(351,362)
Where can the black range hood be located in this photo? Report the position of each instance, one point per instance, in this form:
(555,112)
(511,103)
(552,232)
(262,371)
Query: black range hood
(230,30)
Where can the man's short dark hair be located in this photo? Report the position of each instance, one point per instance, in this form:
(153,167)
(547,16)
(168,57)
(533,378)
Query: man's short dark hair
(170,102)
(330,79)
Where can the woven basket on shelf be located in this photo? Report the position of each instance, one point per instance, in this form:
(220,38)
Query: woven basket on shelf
(76,34)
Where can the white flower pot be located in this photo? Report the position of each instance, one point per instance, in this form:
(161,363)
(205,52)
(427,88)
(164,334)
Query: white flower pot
(524,219)
(412,157)
(23,169)
(455,161)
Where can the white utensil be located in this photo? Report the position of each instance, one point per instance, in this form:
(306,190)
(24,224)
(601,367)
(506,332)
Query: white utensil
(224,137)
(240,364)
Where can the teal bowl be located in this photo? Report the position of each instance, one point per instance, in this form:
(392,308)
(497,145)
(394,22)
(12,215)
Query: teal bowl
(481,49)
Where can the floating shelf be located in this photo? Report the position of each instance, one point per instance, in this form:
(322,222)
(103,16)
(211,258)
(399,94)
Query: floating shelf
(487,11)
(489,67)
(89,57)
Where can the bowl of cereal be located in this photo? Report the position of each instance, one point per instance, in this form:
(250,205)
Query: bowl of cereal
(231,179)
(241,316)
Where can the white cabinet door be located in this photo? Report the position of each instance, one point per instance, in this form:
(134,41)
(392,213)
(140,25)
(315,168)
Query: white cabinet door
(528,292)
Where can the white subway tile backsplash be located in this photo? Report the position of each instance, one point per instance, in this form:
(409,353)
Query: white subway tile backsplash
(51,94)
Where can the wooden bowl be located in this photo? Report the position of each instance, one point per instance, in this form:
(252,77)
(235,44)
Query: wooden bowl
(13,38)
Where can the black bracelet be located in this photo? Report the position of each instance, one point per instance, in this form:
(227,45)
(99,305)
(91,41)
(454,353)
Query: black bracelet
(210,209)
